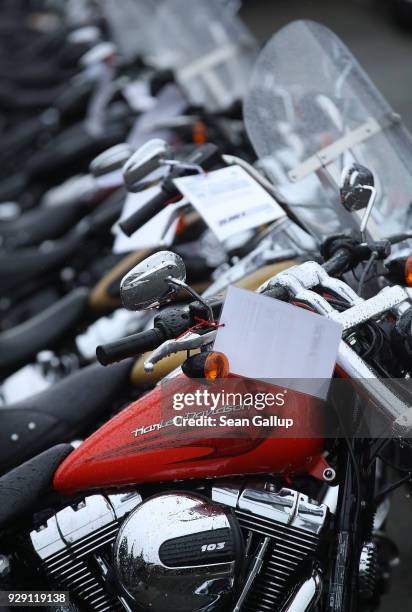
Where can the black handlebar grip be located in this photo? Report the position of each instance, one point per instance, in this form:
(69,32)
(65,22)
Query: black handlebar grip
(130,346)
(130,225)
(339,262)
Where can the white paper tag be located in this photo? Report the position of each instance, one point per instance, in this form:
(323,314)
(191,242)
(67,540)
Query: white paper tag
(267,339)
(22,384)
(229,200)
(152,233)
(138,96)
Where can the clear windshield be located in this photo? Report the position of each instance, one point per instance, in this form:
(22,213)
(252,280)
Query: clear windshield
(129,23)
(311,109)
(208,46)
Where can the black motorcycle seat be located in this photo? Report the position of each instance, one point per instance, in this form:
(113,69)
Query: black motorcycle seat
(68,409)
(13,185)
(24,264)
(15,98)
(72,147)
(23,487)
(23,341)
(35,226)
(41,75)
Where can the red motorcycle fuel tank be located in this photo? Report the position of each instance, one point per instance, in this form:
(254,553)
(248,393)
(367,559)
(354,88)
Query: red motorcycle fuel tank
(149,441)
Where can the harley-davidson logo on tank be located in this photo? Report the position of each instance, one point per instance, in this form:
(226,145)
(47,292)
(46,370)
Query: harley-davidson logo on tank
(159,437)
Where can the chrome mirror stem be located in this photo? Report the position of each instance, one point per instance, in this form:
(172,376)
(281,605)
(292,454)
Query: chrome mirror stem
(368,210)
(182,285)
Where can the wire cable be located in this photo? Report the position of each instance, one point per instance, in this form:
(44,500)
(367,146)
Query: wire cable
(365,272)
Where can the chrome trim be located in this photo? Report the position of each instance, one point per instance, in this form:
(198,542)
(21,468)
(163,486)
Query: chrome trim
(328,154)
(147,285)
(368,211)
(253,572)
(311,274)
(74,523)
(144,161)
(111,160)
(288,525)
(187,342)
(179,284)
(299,280)
(152,584)
(5,567)
(105,572)
(385,300)
(384,398)
(330,498)
(286,506)
(306,595)
(254,173)
(368,562)
(226,494)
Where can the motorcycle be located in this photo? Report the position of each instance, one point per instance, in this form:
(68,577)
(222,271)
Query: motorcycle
(147,514)
(277,524)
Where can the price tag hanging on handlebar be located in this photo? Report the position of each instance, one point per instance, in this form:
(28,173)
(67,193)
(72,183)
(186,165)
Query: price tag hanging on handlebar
(270,340)
(229,200)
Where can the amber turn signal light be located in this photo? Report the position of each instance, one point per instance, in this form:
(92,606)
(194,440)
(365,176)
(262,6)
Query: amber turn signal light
(216,366)
(408,271)
(400,271)
(210,365)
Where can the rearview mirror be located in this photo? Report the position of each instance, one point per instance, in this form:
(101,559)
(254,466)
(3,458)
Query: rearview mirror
(144,161)
(355,189)
(148,284)
(110,160)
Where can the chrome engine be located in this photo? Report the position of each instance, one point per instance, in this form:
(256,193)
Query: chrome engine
(75,549)
(179,551)
(240,549)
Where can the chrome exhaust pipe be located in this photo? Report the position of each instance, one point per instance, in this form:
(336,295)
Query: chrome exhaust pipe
(306,594)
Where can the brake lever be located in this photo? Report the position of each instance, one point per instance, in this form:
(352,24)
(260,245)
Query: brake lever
(184,343)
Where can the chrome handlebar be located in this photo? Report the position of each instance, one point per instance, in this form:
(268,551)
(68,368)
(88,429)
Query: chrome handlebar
(300,280)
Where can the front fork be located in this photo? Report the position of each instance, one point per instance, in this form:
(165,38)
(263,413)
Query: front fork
(354,524)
